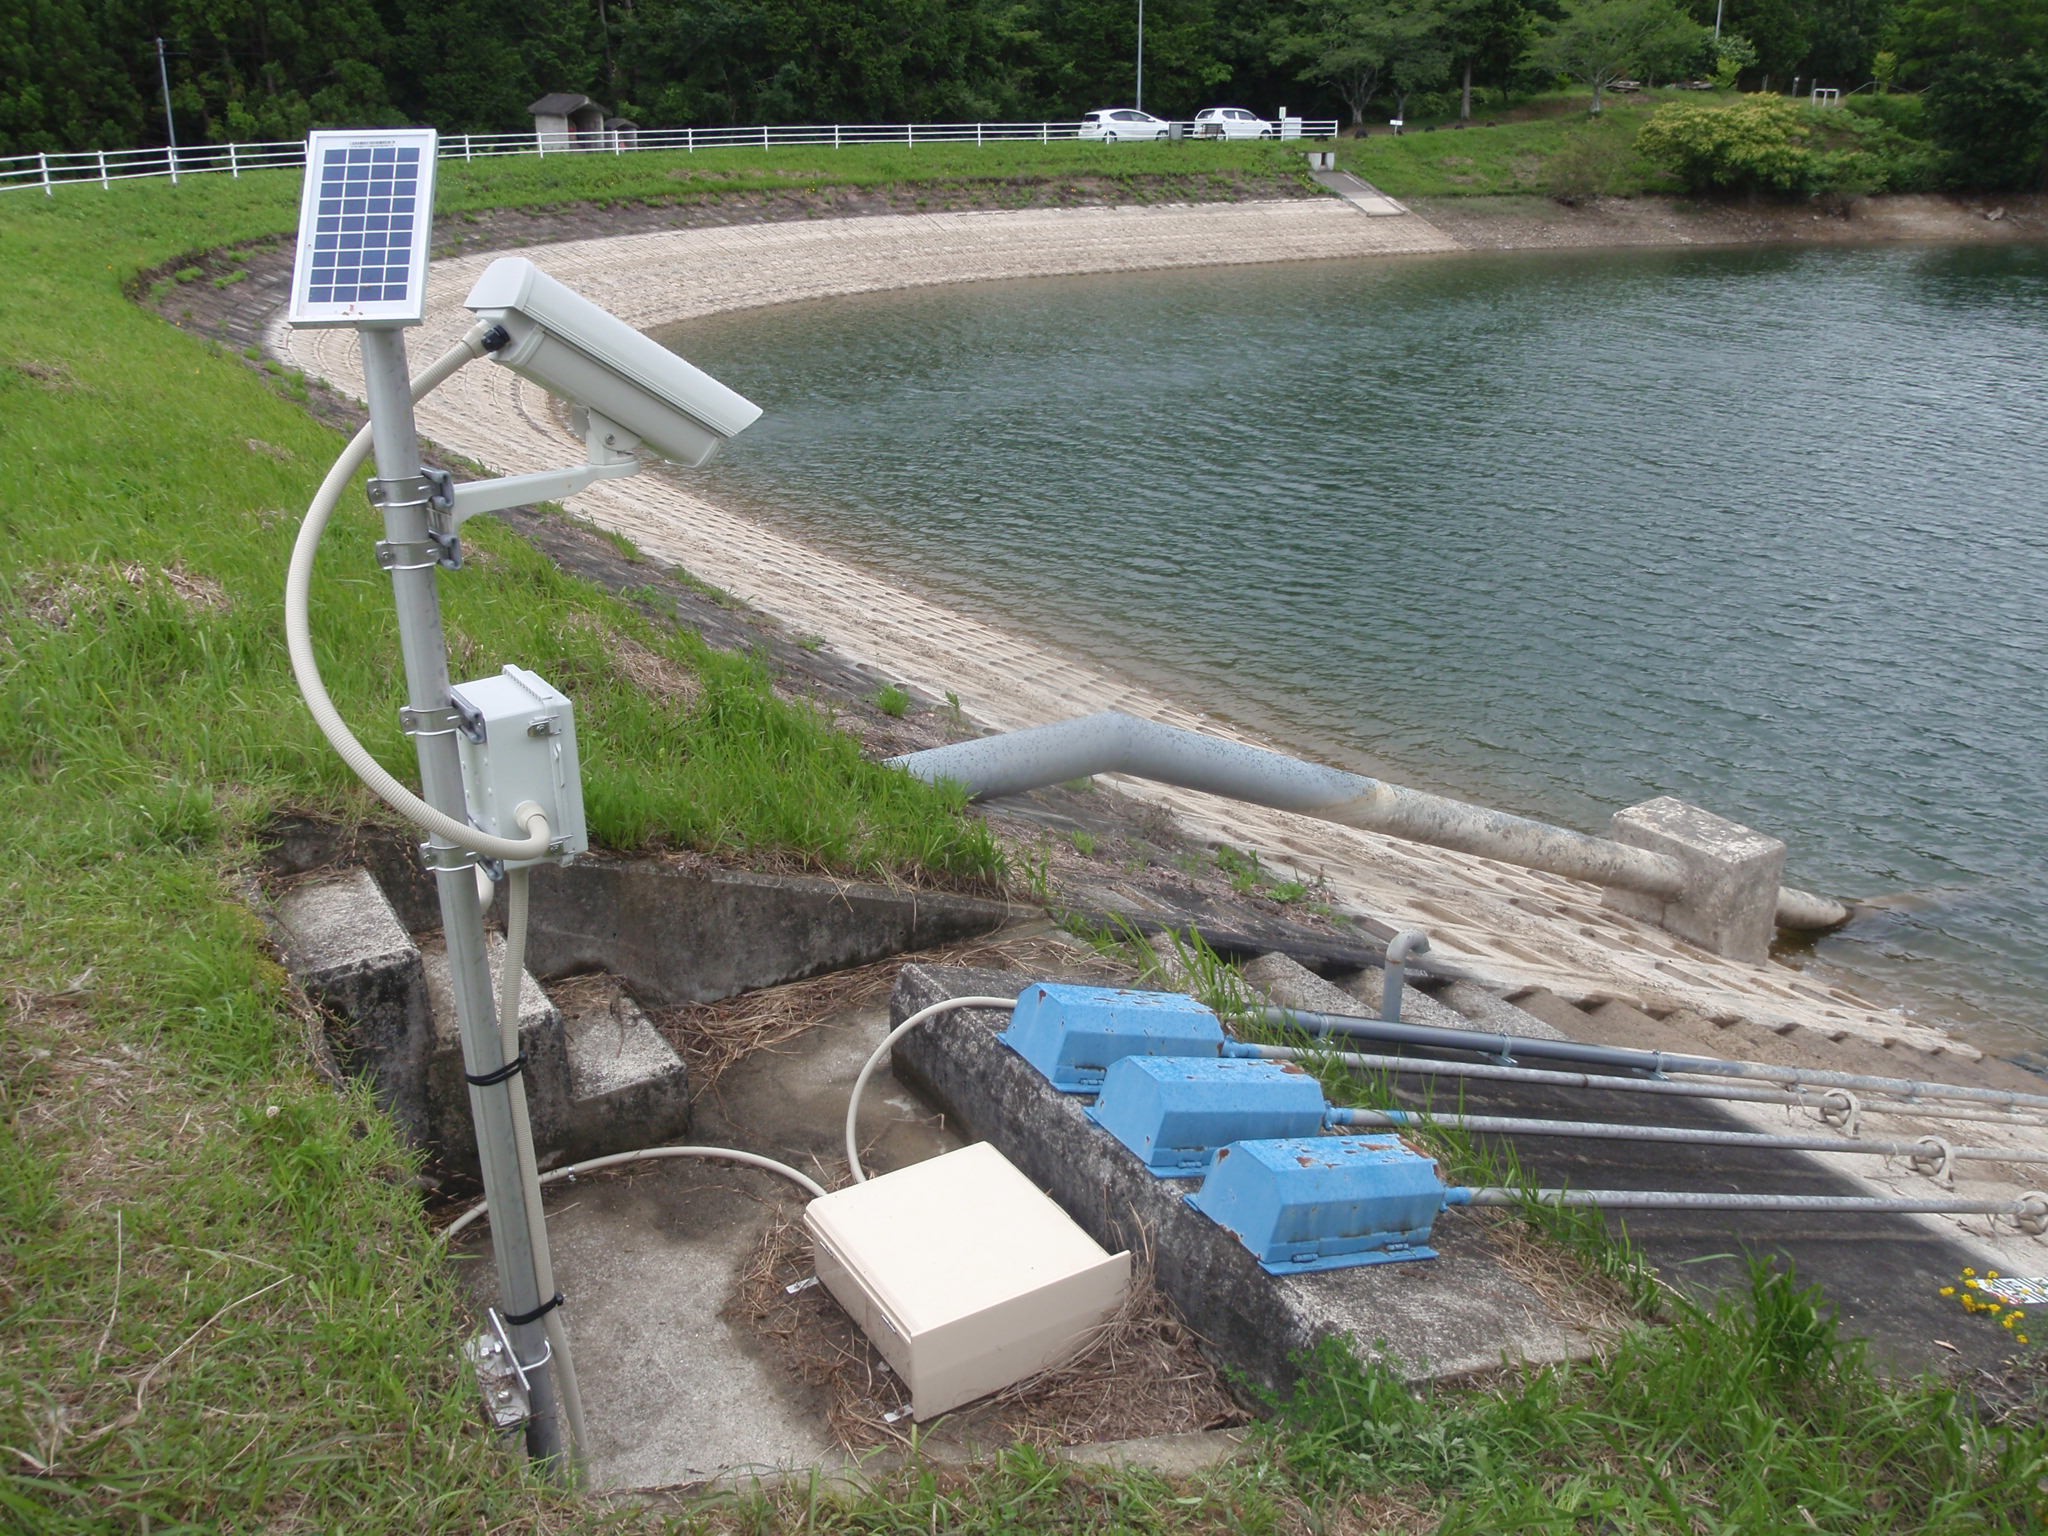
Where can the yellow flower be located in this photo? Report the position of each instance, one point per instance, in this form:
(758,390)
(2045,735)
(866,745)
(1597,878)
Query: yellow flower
(2021,1337)
(1968,1271)
(1948,1290)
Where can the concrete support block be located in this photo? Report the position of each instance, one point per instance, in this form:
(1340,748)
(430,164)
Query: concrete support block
(687,936)
(356,961)
(451,1129)
(1464,1312)
(1729,904)
(627,1087)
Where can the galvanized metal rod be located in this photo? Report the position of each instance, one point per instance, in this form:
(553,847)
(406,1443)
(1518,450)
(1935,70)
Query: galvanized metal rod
(1793,1098)
(423,647)
(2029,1210)
(1621,1058)
(1923,1149)
(1113,742)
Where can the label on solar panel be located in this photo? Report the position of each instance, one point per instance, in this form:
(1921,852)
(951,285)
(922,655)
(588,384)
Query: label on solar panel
(363,226)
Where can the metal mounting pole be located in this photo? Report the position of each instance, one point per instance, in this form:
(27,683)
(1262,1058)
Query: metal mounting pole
(425,652)
(163,73)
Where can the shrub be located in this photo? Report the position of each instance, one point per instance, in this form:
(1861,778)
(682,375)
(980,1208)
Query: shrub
(1760,144)
(1778,147)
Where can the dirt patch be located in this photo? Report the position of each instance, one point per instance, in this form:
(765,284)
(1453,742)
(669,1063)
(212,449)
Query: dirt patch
(1141,1373)
(60,596)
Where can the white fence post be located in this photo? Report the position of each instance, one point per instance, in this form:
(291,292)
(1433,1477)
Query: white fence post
(465,147)
(171,155)
(764,135)
(835,135)
(106,183)
(1045,133)
(43,161)
(234,164)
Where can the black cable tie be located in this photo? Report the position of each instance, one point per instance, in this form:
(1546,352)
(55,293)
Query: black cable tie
(521,1319)
(510,1070)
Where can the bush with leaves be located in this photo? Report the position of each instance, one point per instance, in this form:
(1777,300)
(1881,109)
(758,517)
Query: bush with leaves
(1772,146)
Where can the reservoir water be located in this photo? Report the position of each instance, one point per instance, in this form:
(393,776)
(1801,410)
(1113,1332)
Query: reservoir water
(1760,529)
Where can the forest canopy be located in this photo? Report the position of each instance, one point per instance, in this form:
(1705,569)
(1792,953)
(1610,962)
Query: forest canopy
(84,74)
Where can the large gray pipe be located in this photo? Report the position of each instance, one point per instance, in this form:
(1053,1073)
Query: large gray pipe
(1112,742)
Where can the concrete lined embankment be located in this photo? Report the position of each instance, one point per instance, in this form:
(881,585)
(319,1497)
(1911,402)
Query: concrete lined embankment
(1515,926)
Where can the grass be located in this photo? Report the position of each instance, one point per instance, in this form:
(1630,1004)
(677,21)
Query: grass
(1515,156)
(223,1309)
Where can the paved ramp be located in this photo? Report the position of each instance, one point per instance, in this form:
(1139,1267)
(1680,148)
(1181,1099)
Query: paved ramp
(1362,195)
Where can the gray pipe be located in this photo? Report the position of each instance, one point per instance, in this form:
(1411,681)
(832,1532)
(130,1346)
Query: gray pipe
(1621,1058)
(1837,1100)
(2029,1211)
(1113,742)
(1409,941)
(1921,1149)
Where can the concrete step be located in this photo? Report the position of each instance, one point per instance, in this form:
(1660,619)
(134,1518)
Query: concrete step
(599,1077)
(355,961)
(628,1088)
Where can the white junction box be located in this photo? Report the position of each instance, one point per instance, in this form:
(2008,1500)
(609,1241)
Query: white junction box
(965,1275)
(518,743)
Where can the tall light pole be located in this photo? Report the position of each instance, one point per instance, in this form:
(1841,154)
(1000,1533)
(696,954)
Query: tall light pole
(163,73)
(1140,102)
(1717,19)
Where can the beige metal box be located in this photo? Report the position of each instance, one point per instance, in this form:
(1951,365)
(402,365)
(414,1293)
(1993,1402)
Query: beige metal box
(965,1275)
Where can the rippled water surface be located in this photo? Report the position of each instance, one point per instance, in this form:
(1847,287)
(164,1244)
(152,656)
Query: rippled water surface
(1762,530)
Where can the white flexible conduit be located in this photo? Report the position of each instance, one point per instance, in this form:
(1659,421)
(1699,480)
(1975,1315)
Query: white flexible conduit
(299,638)
(804,1181)
(948,1005)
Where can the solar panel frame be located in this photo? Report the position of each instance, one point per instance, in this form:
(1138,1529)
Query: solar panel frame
(365,217)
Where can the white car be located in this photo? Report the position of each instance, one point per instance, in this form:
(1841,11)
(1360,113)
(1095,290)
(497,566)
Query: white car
(1122,123)
(1232,123)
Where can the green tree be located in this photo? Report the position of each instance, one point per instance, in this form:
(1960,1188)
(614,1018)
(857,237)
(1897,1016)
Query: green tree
(1929,34)
(1602,41)
(1990,117)
(1361,47)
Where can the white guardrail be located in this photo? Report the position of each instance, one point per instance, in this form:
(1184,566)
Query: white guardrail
(107,166)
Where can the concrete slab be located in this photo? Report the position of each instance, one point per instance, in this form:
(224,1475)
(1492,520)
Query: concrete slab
(1359,193)
(650,1258)
(346,947)
(1465,1312)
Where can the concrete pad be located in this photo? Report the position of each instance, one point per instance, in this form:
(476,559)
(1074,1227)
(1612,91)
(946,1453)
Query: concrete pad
(347,949)
(1462,1313)
(681,935)
(672,1392)
(649,1259)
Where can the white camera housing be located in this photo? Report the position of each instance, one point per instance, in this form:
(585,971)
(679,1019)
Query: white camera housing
(572,348)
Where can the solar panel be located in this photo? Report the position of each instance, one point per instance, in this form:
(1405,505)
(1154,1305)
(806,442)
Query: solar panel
(364,219)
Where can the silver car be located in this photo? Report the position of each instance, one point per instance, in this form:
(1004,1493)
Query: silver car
(1112,124)
(1231,123)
